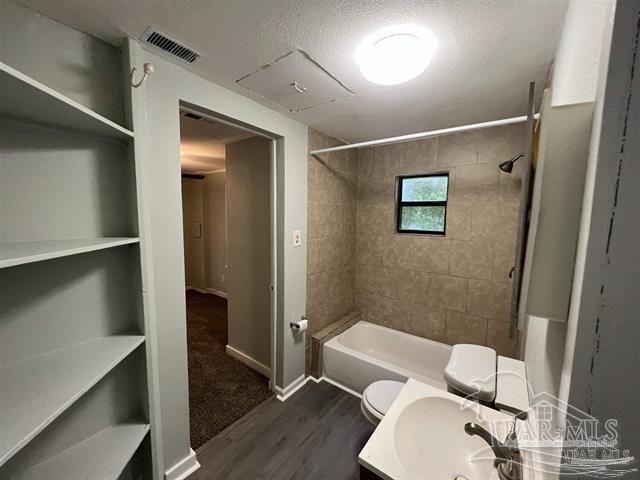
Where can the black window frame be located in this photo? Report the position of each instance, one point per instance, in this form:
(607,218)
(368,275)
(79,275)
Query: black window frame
(400,204)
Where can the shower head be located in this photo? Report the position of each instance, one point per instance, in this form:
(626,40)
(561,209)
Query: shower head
(507,166)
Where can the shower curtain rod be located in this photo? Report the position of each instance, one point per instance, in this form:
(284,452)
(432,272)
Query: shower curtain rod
(417,136)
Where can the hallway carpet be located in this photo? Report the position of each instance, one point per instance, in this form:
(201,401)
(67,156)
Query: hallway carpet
(221,389)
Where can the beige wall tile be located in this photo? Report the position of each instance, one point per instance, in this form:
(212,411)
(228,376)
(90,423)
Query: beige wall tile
(312,256)
(385,159)
(458,149)
(509,184)
(463,328)
(345,162)
(492,145)
(491,223)
(471,259)
(503,261)
(317,287)
(379,161)
(369,249)
(427,322)
(370,279)
(318,140)
(417,157)
(498,339)
(447,292)
(415,252)
(491,299)
(476,185)
(326,255)
(319,317)
(316,220)
(382,311)
(335,221)
(458,221)
(312,179)
(412,286)
(365,158)
(374,189)
(376,219)
(450,289)
(341,306)
(499,144)
(331,220)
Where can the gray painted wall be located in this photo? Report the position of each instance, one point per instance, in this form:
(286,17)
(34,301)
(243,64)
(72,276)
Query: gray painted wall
(215,232)
(70,62)
(193,231)
(156,122)
(604,381)
(249,249)
(67,60)
(549,346)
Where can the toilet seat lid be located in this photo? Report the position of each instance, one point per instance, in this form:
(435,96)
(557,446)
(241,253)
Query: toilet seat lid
(472,371)
(381,394)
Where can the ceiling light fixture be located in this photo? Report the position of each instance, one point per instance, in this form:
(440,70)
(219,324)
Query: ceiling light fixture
(396,54)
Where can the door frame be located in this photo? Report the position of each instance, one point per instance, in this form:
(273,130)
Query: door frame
(273,234)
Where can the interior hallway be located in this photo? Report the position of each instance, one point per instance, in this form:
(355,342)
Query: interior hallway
(221,389)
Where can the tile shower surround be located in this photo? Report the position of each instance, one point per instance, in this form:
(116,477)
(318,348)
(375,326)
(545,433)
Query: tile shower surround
(453,288)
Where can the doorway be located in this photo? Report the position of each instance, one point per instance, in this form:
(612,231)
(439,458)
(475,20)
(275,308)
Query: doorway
(227,228)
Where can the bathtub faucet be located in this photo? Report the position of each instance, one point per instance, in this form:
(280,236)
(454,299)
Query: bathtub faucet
(508,460)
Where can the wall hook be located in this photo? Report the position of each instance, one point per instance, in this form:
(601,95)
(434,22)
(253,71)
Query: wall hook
(298,88)
(148,70)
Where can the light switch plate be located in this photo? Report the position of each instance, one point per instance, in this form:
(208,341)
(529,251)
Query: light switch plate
(196,229)
(297,238)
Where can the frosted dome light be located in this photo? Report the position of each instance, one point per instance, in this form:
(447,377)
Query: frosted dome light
(396,54)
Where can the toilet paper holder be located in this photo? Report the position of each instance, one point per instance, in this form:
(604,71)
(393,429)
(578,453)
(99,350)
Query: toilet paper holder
(301,325)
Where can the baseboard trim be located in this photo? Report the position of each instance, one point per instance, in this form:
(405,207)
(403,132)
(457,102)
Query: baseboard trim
(339,385)
(195,289)
(248,361)
(218,293)
(284,393)
(184,468)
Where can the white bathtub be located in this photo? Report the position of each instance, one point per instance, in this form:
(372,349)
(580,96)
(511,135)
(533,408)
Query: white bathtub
(366,352)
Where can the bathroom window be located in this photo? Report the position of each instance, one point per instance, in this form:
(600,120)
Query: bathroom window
(422,203)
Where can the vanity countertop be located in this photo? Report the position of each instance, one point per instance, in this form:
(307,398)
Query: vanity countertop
(422,437)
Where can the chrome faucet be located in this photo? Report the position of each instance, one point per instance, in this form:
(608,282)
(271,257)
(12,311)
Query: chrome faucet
(508,461)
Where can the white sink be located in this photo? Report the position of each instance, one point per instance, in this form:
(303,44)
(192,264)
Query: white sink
(430,441)
(422,437)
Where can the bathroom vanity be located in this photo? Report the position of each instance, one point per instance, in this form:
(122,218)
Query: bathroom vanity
(423,436)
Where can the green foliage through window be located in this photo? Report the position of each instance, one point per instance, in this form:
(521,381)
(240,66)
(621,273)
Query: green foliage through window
(422,204)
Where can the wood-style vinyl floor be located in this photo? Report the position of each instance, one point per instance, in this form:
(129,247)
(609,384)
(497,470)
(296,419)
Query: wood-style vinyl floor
(316,434)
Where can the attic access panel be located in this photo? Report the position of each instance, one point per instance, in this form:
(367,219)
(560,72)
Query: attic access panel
(278,80)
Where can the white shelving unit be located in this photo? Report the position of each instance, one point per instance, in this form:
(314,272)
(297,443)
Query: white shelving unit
(28,100)
(64,375)
(19,253)
(73,386)
(105,455)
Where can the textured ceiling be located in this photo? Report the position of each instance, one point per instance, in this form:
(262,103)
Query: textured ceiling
(488,51)
(202,144)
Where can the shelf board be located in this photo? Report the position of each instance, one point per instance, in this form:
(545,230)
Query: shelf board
(104,455)
(26,99)
(18,253)
(36,391)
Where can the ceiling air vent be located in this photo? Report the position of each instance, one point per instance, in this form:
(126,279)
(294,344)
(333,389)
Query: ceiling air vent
(192,115)
(162,41)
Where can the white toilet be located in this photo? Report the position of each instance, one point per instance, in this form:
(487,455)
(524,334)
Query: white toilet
(469,373)
(378,397)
